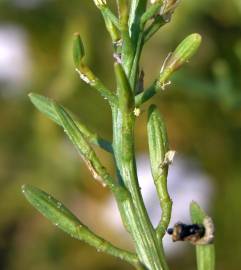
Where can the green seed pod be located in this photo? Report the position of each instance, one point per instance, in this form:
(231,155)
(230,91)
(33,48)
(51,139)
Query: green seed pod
(184,51)
(158,142)
(78,50)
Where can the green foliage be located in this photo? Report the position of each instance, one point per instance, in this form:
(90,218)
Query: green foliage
(136,22)
(201,109)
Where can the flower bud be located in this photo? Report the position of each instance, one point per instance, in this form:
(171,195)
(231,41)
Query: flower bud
(78,50)
(100,3)
(184,51)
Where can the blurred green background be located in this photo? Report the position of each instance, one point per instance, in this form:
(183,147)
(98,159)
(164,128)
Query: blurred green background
(202,109)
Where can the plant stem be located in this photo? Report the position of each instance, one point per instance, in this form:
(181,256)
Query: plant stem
(134,213)
(205,254)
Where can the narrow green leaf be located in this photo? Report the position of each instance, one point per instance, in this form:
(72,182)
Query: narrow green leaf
(45,105)
(87,153)
(78,50)
(107,13)
(205,254)
(158,149)
(112,29)
(137,9)
(60,216)
(54,210)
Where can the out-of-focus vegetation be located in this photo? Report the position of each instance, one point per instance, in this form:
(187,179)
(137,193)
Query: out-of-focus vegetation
(202,108)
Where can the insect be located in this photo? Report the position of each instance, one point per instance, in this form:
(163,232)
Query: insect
(197,234)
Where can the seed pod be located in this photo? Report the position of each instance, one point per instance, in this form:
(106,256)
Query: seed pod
(78,50)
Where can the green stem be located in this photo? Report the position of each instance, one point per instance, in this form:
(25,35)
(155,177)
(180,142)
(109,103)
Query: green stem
(205,257)
(148,249)
(154,27)
(88,77)
(153,89)
(205,254)
(150,12)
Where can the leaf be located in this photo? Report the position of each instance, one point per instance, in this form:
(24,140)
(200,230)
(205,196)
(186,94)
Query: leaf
(54,211)
(98,171)
(45,105)
(60,216)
